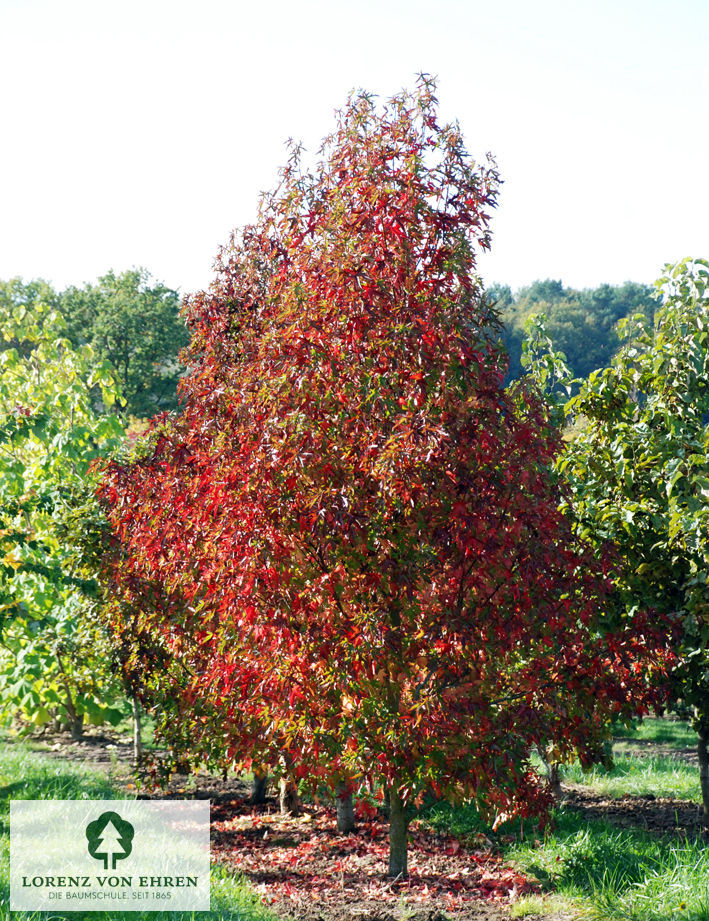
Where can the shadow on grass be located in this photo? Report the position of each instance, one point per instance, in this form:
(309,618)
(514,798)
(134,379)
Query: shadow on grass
(54,783)
(589,856)
(27,775)
(663,731)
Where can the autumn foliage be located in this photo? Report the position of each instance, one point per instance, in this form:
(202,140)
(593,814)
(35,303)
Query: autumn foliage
(345,557)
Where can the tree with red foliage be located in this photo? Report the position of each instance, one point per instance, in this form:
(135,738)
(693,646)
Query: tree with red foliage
(346,554)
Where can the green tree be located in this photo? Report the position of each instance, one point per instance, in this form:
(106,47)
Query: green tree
(135,324)
(582,324)
(54,656)
(16,293)
(639,473)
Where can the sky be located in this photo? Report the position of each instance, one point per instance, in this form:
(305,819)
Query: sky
(141,132)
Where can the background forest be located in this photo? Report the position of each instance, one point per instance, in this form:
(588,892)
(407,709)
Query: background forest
(133,321)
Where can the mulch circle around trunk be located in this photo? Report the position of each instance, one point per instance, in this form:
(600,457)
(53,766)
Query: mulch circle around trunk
(307,870)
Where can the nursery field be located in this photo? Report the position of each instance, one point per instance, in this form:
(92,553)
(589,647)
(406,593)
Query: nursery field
(308,524)
(625,843)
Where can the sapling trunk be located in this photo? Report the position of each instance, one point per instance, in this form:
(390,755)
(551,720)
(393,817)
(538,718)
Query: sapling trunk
(75,720)
(288,800)
(76,726)
(345,808)
(555,779)
(703,754)
(137,741)
(398,833)
(553,770)
(258,788)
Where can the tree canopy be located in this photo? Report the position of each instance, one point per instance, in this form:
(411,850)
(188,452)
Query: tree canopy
(346,555)
(135,324)
(50,435)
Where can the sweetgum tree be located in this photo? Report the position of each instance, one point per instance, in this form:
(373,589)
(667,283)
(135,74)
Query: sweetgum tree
(346,556)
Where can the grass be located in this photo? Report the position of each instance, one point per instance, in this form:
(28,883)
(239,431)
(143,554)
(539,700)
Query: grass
(592,869)
(24,774)
(586,868)
(589,868)
(637,772)
(671,733)
(614,874)
(639,775)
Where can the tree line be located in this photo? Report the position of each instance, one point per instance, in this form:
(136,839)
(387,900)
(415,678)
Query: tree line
(128,320)
(134,323)
(583,324)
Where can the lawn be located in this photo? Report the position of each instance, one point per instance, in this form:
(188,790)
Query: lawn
(25,774)
(658,730)
(614,874)
(640,775)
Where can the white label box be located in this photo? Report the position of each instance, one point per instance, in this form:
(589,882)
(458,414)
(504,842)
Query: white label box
(109,855)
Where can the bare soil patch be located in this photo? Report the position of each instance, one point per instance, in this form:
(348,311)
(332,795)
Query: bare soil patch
(373,911)
(97,748)
(658,815)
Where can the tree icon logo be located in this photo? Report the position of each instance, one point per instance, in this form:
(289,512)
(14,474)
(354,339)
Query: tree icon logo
(110,839)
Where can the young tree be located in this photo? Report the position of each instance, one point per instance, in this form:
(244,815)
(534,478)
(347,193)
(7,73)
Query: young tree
(16,294)
(346,555)
(639,473)
(54,654)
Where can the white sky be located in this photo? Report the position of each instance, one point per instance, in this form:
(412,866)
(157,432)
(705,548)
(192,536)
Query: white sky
(141,132)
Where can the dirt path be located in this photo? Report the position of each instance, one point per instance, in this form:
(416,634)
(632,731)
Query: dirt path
(649,749)
(659,815)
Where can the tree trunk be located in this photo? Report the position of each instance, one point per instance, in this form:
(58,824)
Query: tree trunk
(76,726)
(75,720)
(398,832)
(704,771)
(553,770)
(555,779)
(288,799)
(137,741)
(258,788)
(345,808)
